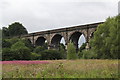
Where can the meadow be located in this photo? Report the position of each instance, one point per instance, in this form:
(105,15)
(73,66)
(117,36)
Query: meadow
(90,68)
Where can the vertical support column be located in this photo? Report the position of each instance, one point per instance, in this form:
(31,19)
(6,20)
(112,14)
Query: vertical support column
(33,39)
(87,41)
(49,43)
(66,39)
(66,45)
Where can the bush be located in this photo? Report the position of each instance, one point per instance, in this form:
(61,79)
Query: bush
(7,54)
(28,44)
(21,52)
(88,54)
(13,40)
(71,51)
(39,49)
(62,51)
(51,55)
(35,56)
(7,43)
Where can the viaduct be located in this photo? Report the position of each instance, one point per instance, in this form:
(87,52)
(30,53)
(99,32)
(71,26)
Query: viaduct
(53,37)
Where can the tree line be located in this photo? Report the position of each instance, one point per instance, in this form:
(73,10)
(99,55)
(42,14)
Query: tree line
(104,44)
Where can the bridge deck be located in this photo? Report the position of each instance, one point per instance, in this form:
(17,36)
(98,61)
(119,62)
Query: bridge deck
(63,29)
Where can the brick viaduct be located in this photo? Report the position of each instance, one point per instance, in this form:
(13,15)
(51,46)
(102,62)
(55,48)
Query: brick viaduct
(53,37)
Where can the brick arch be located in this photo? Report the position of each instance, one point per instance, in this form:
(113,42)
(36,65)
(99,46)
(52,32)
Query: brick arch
(42,38)
(55,40)
(58,34)
(82,32)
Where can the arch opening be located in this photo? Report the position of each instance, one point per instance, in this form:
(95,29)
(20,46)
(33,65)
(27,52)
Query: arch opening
(40,41)
(57,40)
(77,38)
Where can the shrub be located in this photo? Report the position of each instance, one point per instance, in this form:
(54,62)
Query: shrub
(51,55)
(88,54)
(35,56)
(28,44)
(7,54)
(39,49)
(71,51)
(21,52)
(62,51)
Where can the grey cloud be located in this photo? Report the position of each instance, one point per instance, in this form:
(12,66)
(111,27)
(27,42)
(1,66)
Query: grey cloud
(119,7)
(37,15)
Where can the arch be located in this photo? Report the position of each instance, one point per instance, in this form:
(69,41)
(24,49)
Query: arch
(74,38)
(55,41)
(81,32)
(40,41)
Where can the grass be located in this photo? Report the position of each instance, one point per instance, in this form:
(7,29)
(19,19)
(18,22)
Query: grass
(63,69)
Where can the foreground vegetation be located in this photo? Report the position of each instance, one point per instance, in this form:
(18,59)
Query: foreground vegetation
(103,45)
(63,69)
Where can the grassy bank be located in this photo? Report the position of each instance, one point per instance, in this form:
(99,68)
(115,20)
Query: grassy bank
(63,69)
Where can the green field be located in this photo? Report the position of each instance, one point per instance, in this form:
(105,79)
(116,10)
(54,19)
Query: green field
(63,69)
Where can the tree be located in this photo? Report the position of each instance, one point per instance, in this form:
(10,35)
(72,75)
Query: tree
(105,42)
(17,29)
(71,51)
(62,51)
(6,43)
(21,52)
(5,32)
(81,50)
(28,44)
(114,37)
(7,54)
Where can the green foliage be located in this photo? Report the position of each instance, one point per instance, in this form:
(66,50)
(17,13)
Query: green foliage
(51,55)
(7,54)
(45,46)
(63,51)
(17,29)
(21,52)
(17,45)
(6,43)
(5,32)
(13,40)
(105,42)
(82,47)
(88,54)
(71,51)
(39,49)
(35,56)
(28,44)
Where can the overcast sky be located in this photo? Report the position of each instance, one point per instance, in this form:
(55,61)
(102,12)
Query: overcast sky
(39,15)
